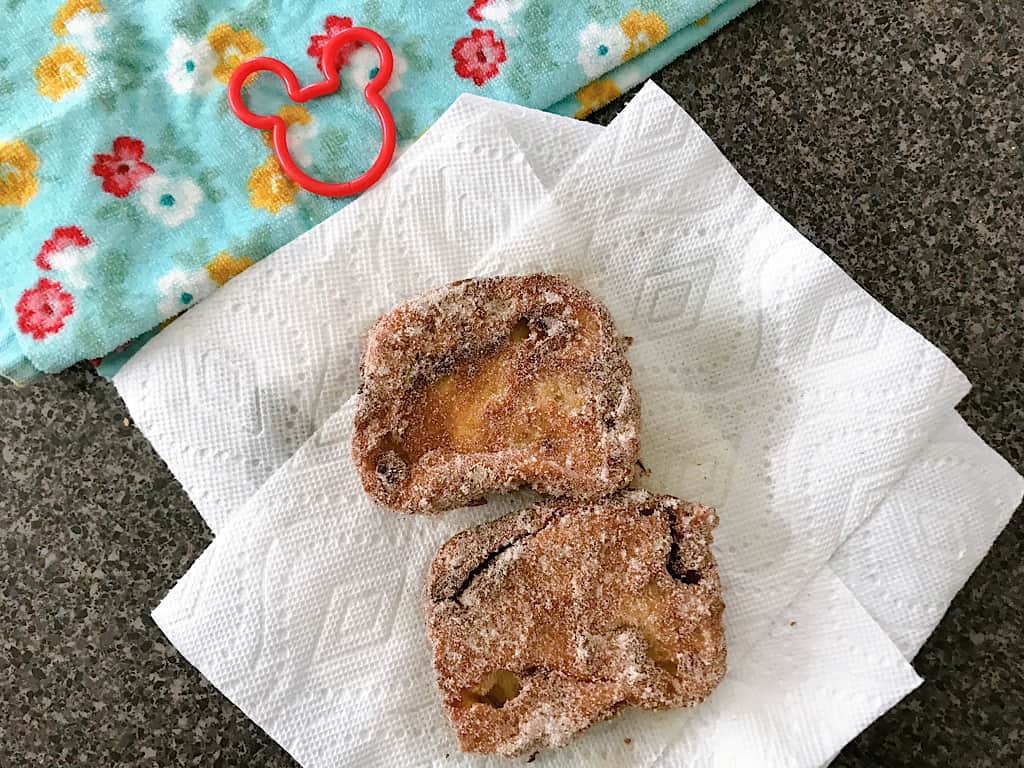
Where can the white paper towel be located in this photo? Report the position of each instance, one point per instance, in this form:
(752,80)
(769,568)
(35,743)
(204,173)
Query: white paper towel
(908,561)
(810,397)
(306,611)
(705,407)
(232,389)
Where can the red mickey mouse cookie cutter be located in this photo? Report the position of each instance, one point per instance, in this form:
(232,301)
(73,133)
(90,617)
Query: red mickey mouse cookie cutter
(327,86)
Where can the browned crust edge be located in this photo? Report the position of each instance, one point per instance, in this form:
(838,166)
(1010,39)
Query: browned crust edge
(468,553)
(419,339)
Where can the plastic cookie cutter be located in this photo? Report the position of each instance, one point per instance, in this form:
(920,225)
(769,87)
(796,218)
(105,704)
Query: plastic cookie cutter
(279,129)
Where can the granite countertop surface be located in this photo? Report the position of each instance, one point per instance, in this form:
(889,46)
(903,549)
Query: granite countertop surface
(889,133)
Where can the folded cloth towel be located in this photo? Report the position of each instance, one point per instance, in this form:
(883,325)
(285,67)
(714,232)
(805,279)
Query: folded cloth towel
(128,191)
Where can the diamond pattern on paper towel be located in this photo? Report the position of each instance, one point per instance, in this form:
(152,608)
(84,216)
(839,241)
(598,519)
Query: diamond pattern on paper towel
(651,131)
(946,538)
(671,300)
(866,493)
(847,325)
(358,616)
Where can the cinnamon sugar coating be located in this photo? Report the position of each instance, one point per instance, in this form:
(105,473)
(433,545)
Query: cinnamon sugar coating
(558,616)
(492,384)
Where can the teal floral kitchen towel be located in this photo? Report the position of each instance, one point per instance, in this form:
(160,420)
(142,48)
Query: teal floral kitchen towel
(128,190)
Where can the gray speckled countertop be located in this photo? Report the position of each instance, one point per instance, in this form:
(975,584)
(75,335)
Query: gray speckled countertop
(890,133)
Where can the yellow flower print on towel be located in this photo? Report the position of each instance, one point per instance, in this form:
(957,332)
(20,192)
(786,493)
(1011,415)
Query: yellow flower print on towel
(269,188)
(60,71)
(644,30)
(232,48)
(595,96)
(18,164)
(292,114)
(69,10)
(301,128)
(224,266)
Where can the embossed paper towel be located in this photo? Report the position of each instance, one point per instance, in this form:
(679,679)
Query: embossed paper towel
(763,733)
(306,611)
(772,385)
(757,358)
(233,387)
(910,558)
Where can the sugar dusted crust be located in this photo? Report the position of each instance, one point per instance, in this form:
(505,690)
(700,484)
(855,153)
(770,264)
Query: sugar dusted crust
(493,384)
(558,616)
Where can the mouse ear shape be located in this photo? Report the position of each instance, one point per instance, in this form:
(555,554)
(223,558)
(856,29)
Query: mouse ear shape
(252,68)
(327,86)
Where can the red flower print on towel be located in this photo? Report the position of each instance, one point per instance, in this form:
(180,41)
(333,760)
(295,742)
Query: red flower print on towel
(333,26)
(474,10)
(41,310)
(62,237)
(477,57)
(122,169)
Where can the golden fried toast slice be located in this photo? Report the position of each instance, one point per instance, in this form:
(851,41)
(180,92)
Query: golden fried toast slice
(556,617)
(492,384)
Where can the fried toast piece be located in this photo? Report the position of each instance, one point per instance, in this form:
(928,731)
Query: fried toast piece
(556,617)
(492,384)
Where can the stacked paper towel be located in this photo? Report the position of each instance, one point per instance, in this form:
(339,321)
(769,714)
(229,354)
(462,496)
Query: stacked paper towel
(854,502)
